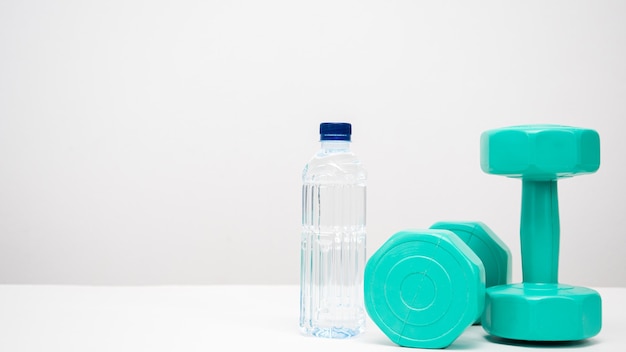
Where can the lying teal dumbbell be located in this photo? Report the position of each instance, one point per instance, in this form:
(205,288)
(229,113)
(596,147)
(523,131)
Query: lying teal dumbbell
(423,288)
(540,308)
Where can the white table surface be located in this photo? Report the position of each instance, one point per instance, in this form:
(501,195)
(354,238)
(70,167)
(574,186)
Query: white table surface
(214,318)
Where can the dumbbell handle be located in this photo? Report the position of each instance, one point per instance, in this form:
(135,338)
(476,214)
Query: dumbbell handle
(540,231)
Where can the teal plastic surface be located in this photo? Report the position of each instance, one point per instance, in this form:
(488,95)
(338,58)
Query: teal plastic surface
(540,152)
(541,309)
(542,312)
(423,288)
(492,251)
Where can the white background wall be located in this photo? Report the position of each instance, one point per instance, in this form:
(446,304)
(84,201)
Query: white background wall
(162,142)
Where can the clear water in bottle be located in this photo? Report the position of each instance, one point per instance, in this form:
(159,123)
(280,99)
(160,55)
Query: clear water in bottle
(333,243)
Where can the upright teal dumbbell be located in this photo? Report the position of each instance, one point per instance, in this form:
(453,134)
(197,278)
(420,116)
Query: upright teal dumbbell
(540,308)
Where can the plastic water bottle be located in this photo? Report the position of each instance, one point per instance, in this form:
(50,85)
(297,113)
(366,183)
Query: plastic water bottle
(333,243)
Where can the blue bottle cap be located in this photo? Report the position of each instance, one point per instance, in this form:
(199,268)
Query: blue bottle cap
(335,131)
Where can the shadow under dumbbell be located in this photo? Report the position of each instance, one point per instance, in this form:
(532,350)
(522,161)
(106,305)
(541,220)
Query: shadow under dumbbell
(540,344)
(458,345)
(461,344)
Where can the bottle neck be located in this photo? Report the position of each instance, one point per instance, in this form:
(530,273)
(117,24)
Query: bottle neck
(335,146)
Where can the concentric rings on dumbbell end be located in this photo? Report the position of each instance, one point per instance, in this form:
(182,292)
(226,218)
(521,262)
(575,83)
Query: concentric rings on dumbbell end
(423,288)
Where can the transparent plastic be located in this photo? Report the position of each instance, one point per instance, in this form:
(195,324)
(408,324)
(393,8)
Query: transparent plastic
(333,243)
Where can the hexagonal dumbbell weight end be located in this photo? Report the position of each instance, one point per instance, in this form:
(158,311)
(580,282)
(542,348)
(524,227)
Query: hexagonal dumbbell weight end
(492,251)
(423,288)
(540,152)
(542,312)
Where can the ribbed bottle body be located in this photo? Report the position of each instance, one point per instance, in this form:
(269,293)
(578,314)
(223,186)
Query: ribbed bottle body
(333,245)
